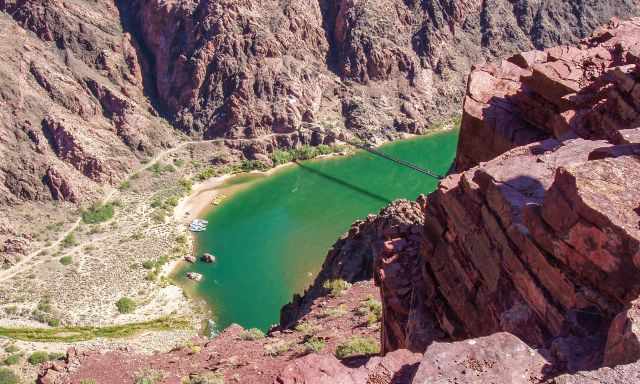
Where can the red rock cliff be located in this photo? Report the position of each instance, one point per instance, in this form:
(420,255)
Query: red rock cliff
(543,241)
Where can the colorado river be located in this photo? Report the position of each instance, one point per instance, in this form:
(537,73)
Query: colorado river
(270,238)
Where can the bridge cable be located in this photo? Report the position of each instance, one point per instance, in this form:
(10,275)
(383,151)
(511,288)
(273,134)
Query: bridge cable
(369,148)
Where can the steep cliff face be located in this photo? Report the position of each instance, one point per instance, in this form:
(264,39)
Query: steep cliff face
(567,91)
(248,68)
(542,241)
(72,106)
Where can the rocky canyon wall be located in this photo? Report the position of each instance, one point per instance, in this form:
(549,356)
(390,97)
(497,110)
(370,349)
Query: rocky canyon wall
(543,240)
(520,268)
(84,83)
(248,68)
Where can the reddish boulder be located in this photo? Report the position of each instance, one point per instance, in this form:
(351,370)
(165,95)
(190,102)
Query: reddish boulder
(499,358)
(562,92)
(394,368)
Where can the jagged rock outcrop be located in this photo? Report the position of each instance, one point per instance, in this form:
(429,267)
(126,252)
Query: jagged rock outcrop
(499,358)
(567,91)
(351,257)
(542,241)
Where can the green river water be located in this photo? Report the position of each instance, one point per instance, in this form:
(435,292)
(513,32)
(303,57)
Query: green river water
(271,237)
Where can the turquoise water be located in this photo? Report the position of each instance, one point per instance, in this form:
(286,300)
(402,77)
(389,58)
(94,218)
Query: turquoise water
(271,238)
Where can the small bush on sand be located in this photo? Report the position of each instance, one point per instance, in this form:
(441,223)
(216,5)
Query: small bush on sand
(12,359)
(66,260)
(98,214)
(126,305)
(69,241)
(313,345)
(357,346)
(252,334)
(38,357)
(7,376)
(336,286)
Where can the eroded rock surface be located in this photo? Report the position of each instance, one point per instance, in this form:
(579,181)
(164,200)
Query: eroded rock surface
(588,90)
(248,68)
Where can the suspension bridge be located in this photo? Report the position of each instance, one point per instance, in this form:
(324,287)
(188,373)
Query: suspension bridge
(371,149)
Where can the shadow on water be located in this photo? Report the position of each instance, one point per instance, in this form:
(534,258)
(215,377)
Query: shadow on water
(344,183)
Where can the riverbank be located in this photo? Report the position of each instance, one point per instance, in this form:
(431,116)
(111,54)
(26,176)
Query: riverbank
(77,279)
(271,236)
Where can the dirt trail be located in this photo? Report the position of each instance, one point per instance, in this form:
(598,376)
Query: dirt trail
(25,262)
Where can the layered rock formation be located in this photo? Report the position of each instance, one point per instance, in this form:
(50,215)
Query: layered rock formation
(567,91)
(542,241)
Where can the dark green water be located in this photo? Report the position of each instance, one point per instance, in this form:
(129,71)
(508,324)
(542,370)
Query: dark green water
(270,239)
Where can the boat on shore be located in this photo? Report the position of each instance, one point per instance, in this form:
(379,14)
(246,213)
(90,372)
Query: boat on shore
(198,225)
(190,259)
(194,276)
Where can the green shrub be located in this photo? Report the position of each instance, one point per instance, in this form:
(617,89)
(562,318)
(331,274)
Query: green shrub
(56,356)
(38,357)
(69,241)
(304,153)
(178,162)
(206,174)
(338,311)
(253,165)
(306,328)
(251,334)
(280,157)
(313,345)
(126,305)
(206,378)
(125,185)
(278,348)
(186,185)
(148,376)
(66,260)
(98,214)
(7,376)
(172,201)
(357,346)
(159,216)
(156,168)
(149,264)
(336,286)
(371,308)
(12,359)
(168,168)
(53,322)
(11,348)
(88,381)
